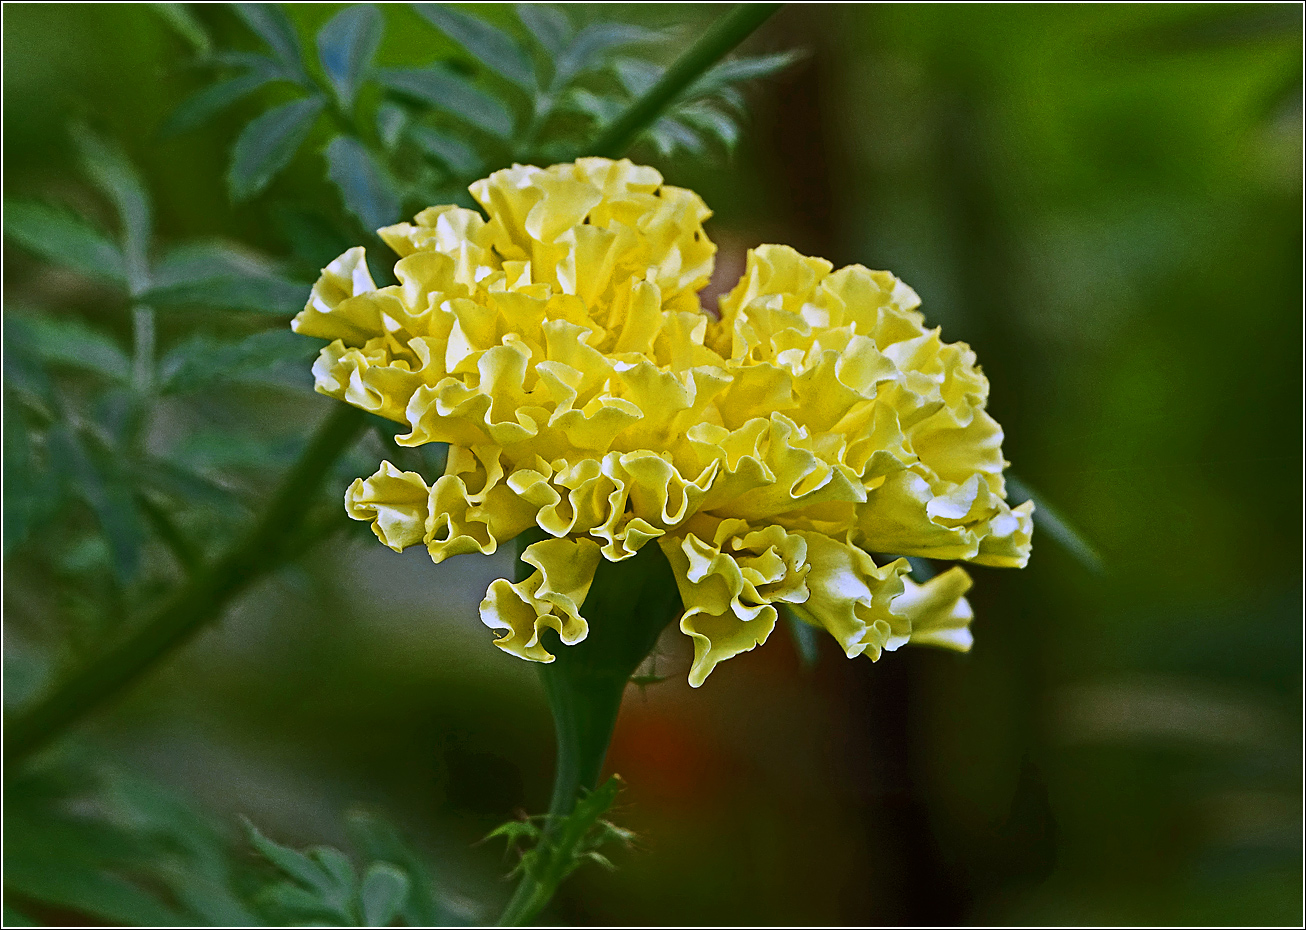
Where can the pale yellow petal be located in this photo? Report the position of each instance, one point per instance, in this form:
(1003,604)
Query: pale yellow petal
(938,611)
(851,596)
(396,502)
(550,598)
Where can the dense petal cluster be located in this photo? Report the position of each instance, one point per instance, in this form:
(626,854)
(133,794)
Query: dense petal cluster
(560,349)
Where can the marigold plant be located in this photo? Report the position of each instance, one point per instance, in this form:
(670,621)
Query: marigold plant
(788,451)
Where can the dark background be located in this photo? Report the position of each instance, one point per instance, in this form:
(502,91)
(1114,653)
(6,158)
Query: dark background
(1106,203)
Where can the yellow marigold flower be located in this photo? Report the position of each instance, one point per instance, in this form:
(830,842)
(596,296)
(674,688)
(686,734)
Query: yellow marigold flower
(559,348)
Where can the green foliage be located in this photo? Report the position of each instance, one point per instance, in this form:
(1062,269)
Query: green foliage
(1063,183)
(269,143)
(81,403)
(551,848)
(418,131)
(86,838)
(135,444)
(1055,527)
(706,114)
(64,239)
(321,885)
(493,48)
(346,47)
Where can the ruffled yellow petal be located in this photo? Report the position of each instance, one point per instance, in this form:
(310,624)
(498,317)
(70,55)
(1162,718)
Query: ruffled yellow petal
(473,508)
(729,574)
(324,317)
(550,598)
(588,227)
(851,597)
(558,346)
(937,610)
(396,502)
(872,393)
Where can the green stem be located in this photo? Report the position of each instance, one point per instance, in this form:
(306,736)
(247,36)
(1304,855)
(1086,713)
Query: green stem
(198,601)
(143,349)
(630,602)
(720,39)
(182,549)
(628,606)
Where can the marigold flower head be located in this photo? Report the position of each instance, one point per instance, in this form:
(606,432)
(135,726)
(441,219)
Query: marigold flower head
(560,349)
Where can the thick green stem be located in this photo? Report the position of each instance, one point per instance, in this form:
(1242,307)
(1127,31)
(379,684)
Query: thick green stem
(199,601)
(719,40)
(628,606)
(630,602)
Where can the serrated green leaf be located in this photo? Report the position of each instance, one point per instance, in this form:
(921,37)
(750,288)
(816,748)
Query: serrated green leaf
(605,831)
(70,343)
(442,89)
(385,887)
(514,831)
(592,44)
(209,101)
(220,277)
(550,25)
(268,144)
(205,259)
(64,239)
(216,449)
(254,62)
(366,187)
(336,864)
(184,24)
(67,858)
(201,361)
(425,905)
(270,295)
(346,46)
(391,121)
(271,24)
(82,889)
(211,900)
(19,511)
(493,47)
(737,70)
(636,75)
(668,135)
(289,861)
(459,158)
(603,109)
(24,372)
(108,496)
(299,904)
(178,480)
(711,121)
(189,854)
(731,99)
(109,169)
(597,857)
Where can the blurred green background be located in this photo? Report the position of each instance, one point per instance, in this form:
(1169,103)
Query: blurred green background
(1106,203)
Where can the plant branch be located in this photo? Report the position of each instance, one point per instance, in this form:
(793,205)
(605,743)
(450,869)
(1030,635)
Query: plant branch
(196,603)
(203,597)
(719,40)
